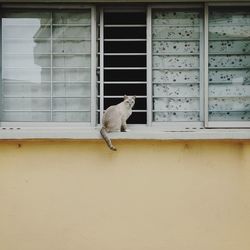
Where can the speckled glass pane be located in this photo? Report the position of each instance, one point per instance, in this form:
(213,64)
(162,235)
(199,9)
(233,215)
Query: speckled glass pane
(229,64)
(176,65)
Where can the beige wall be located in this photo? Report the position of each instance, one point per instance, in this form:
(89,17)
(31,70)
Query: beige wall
(150,195)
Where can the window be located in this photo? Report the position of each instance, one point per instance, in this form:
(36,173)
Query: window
(123,60)
(229,66)
(176,65)
(46,66)
(188,65)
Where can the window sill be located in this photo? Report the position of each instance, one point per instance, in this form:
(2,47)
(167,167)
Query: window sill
(137,134)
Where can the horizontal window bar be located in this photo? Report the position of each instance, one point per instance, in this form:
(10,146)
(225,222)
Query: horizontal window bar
(123,82)
(229,53)
(229,97)
(213,111)
(47,39)
(72,25)
(48,97)
(218,68)
(47,25)
(32,111)
(134,110)
(178,68)
(176,54)
(44,82)
(124,54)
(175,39)
(230,39)
(174,25)
(124,25)
(172,110)
(125,68)
(124,40)
(176,97)
(119,96)
(76,67)
(177,83)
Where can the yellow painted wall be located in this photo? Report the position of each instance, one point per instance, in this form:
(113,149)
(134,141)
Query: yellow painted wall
(150,195)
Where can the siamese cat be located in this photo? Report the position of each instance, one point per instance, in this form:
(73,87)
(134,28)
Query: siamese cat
(115,117)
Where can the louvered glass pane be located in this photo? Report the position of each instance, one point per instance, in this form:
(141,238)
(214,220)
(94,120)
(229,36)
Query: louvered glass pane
(26,72)
(176,65)
(71,66)
(229,64)
(46,66)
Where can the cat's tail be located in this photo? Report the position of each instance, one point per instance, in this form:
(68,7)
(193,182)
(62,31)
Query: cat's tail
(107,139)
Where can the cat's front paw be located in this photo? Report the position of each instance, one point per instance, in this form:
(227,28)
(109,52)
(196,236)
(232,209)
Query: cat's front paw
(127,130)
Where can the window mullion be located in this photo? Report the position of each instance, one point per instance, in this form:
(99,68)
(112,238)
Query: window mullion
(93,66)
(149,66)
(101,64)
(206,64)
(51,66)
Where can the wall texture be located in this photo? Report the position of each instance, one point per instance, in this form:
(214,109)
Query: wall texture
(150,195)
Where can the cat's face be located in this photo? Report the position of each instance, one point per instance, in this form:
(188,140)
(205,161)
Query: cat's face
(129,101)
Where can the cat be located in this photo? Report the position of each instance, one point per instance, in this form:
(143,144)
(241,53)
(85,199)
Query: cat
(115,117)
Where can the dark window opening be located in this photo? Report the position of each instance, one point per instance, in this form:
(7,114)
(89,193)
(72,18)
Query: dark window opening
(125,61)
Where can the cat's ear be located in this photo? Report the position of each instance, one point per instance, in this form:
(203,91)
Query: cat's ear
(125,97)
(134,97)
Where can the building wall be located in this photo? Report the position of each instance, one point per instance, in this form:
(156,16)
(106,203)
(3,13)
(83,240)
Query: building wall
(149,195)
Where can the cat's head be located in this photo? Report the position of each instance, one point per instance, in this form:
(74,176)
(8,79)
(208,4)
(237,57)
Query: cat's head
(129,101)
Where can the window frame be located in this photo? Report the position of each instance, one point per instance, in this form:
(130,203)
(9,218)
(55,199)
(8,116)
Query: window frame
(167,126)
(59,7)
(181,124)
(208,123)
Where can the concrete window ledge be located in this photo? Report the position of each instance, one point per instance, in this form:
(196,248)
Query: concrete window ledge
(137,134)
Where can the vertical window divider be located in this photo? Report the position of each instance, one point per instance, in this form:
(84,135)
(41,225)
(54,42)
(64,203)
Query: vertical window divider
(101,64)
(206,64)
(149,66)
(1,69)
(51,66)
(201,67)
(93,66)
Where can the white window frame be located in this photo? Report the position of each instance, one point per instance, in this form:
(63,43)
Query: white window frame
(182,124)
(156,128)
(208,123)
(92,8)
(113,9)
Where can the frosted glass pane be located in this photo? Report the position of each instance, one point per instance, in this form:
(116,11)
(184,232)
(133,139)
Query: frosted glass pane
(164,62)
(71,116)
(229,64)
(176,90)
(26,74)
(176,104)
(26,116)
(188,47)
(173,17)
(69,75)
(176,63)
(71,32)
(71,46)
(71,104)
(176,116)
(19,60)
(71,90)
(82,17)
(176,76)
(71,61)
(26,90)
(26,104)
